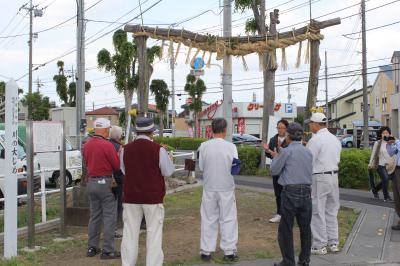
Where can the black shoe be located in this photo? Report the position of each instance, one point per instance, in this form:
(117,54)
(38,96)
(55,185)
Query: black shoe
(110,255)
(303,263)
(376,195)
(396,227)
(117,235)
(388,199)
(205,257)
(92,251)
(232,257)
(277,264)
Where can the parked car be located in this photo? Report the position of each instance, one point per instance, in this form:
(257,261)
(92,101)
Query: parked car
(51,160)
(245,139)
(21,167)
(347,141)
(167,133)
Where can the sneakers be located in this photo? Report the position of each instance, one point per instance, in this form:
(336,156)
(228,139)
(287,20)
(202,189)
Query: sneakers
(319,251)
(231,258)
(388,199)
(333,248)
(110,255)
(92,251)
(376,194)
(275,219)
(205,258)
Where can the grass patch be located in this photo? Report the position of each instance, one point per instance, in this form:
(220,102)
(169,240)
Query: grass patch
(181,237)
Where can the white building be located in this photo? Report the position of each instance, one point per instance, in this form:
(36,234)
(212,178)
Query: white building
(395,98)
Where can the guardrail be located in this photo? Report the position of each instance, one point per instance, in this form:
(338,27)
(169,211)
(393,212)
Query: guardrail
(43,192)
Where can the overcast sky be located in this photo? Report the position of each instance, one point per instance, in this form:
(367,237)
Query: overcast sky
(61,39)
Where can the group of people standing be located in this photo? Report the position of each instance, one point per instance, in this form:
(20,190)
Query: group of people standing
(305,177)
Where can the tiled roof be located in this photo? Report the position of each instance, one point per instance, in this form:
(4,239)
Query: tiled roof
(103,111)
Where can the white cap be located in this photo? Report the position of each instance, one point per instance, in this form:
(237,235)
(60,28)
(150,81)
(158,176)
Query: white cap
(316,118)
(102,123)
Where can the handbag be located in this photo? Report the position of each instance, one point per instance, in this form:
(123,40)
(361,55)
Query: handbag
(235,170)
(391,166)
(375,162)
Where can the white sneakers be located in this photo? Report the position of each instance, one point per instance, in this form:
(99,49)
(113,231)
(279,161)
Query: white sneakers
(319,251)
(334,248)
(275,219)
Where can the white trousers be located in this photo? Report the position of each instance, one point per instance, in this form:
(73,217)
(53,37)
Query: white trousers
(132,216)
(218,208)
(325,205)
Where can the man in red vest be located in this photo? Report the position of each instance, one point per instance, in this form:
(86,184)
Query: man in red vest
(145,164)
(101,161)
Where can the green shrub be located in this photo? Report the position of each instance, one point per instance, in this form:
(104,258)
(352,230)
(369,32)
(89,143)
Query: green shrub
(180,143)
(353,168)
(250,160)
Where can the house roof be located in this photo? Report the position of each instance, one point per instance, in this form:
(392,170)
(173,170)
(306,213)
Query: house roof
(388,70)
(395,54)
(103,111)
(348,94)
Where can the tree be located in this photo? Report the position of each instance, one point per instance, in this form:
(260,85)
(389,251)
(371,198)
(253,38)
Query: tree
(66,93)
(300,118)
(159,88)
(195,88)
(257,24)
(40,105)
(120,65)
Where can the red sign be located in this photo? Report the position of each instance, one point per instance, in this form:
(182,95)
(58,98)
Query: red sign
(210,110)
(256,106)
(241,125)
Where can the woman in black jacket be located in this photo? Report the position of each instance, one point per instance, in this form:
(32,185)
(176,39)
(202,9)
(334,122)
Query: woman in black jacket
(276,143)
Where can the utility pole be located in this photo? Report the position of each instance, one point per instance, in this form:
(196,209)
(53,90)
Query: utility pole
(326,89)
(364,74)
(172,65)
(80,77)
(30,57)
(289,96)
(227,72)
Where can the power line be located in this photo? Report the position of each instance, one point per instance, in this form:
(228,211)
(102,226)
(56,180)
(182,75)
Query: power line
(379,27)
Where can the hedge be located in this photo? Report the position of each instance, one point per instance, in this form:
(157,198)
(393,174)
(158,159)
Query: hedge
(353,168)
(181,143)
(250,160)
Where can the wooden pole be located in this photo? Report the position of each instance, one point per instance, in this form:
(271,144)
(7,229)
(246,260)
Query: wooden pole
(143,89)
(315,64)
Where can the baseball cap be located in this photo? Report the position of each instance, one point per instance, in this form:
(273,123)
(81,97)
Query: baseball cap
(316,118)
(102,123)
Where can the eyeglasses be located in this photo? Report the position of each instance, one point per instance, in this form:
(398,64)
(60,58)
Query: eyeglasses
(280,127)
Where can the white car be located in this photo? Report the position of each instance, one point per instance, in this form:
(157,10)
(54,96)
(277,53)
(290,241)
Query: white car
(51,160)
(21,167)
(167,133)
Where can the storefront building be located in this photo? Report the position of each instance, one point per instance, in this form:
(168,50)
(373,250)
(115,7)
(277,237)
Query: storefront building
(247,117)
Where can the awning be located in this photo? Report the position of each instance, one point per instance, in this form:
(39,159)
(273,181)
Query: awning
(359,123)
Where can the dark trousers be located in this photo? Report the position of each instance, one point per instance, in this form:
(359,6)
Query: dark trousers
(385,177)
(295,203)
(277,192)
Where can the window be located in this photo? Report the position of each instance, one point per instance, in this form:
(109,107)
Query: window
(384,102)
(397,88)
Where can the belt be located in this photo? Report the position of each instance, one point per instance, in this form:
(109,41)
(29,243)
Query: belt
(327,173)
(103,176)
(298,186)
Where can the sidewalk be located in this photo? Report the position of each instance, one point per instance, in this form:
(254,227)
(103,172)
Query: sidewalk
(372,242)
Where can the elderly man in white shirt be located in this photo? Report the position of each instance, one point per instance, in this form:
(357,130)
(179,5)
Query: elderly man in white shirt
(325,148)
(218,205)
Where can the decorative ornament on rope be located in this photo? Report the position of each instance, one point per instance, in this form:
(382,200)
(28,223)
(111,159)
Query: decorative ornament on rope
(284,65)
(307,55)
(209,61)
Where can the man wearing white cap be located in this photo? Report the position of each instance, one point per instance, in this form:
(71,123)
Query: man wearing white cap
(101,161)
(325,148)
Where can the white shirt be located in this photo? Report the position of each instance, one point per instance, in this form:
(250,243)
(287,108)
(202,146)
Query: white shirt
(325,148)
(215,160)
(166,165)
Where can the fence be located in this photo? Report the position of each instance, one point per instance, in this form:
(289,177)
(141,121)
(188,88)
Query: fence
(43,191)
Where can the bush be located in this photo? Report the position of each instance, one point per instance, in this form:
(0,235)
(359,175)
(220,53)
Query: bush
(180,143)
(250,160)
(353,168)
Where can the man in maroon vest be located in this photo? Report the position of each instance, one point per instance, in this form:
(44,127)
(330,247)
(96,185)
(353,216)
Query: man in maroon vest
(145,164)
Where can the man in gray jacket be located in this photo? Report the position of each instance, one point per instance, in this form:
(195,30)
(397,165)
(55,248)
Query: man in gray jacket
(294,166)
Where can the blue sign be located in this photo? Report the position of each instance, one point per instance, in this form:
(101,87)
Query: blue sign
(288,108)
(198,63)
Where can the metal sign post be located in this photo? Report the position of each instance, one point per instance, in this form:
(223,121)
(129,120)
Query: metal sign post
(63,191)
(30,192)
(11,158)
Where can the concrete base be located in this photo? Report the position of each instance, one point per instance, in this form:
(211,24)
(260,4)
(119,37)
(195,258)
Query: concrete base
(30,250)
(77,216)
(63,239)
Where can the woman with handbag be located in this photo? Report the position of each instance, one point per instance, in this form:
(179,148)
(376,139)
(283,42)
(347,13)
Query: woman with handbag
(382,162)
